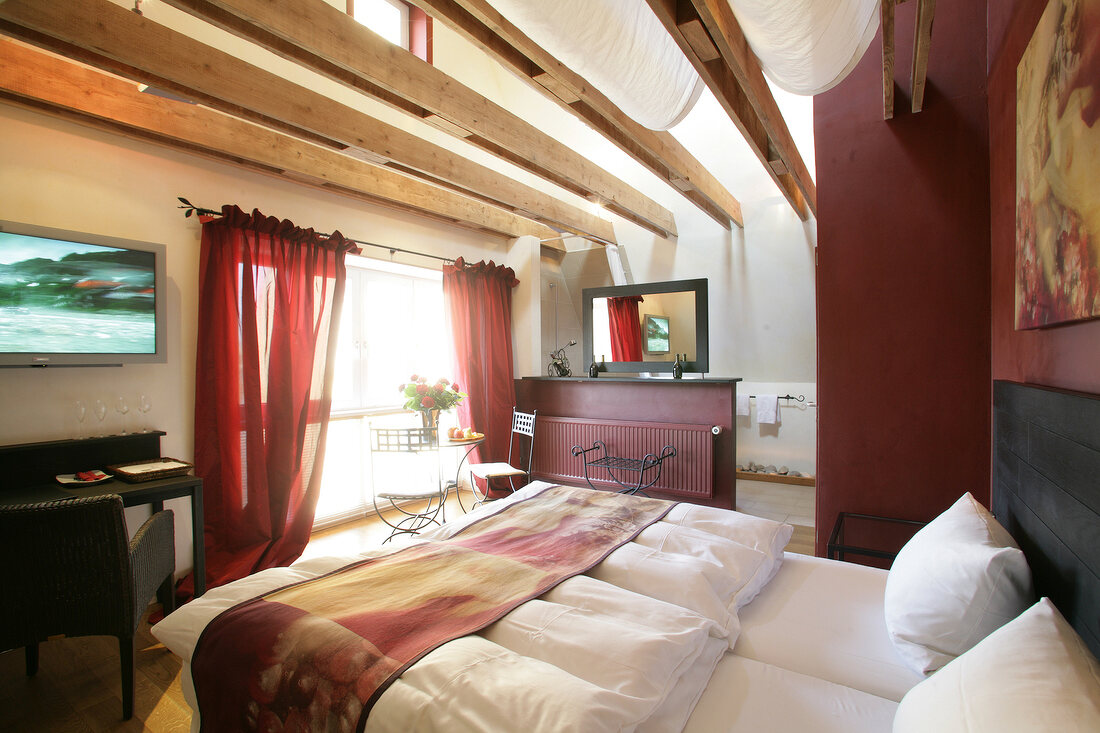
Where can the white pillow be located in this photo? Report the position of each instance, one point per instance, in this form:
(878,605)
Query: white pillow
(765,535)
(1032,674)
(959,578)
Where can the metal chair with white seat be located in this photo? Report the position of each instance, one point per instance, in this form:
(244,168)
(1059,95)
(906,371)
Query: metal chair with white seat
(523,425)
(409,441)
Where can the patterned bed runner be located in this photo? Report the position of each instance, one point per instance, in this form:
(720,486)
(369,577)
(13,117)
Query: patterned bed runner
(316,655)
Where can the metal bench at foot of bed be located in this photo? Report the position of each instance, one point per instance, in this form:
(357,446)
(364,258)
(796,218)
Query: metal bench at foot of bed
(647,468)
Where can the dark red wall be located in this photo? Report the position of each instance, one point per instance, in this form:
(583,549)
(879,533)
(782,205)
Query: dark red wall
(1066,356)
(903,280)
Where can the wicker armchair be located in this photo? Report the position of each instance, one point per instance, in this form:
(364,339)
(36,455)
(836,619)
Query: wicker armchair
(68,569)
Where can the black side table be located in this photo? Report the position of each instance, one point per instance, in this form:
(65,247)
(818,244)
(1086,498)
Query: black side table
(869,536)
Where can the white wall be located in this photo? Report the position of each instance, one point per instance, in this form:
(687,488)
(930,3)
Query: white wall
(762,316)
(761,277)
(525,260)
(564,278)
(66,176)
(783,444)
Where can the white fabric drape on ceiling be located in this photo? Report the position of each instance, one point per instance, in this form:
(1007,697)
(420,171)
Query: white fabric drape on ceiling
(807,46)
(619,47)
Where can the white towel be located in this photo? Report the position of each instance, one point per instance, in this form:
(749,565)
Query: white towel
(743,405)
(767,409)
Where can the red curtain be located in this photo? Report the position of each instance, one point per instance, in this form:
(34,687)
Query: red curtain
(479,307)
(269,305)
(626,329)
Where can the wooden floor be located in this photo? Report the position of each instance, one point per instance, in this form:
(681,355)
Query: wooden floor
(783,503)
(78,690)
(802,541)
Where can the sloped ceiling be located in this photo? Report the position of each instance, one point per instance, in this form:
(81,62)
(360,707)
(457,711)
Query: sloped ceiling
(297,89)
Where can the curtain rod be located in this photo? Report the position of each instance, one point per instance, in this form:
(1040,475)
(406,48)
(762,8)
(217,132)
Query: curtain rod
(587,237)
(192,209)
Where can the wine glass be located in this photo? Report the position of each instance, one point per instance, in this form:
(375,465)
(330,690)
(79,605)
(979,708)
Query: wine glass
(100,411)
(80,411)
(144,405)
(122,408)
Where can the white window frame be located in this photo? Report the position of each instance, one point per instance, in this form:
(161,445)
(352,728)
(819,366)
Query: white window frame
(355,460)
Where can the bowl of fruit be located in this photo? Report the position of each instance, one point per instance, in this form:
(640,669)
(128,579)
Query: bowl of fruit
(83,478)
(463,435)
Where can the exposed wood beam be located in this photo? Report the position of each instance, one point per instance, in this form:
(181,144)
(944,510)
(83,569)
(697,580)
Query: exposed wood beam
(697,37)
(328,41)
(676,15)
(730,94)
(922,42)
(886,15)
(45,83)
(110,37)
(725,32)
(660,152)
(549,83)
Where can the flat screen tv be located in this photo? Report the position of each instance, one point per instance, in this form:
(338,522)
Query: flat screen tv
(74,299)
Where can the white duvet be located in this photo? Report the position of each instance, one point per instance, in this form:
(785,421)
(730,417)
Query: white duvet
(628,646)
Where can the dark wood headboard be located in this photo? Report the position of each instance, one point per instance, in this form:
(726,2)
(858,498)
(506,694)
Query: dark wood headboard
(1046,492)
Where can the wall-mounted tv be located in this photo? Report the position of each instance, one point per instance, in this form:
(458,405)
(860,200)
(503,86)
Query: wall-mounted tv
(75,299)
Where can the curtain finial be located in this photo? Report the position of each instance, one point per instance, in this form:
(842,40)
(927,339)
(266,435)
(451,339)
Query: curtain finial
(192,209)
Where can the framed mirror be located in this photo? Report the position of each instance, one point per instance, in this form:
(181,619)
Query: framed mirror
(641,328)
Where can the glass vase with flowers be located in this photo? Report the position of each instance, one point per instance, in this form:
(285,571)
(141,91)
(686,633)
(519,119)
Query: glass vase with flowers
(430,399)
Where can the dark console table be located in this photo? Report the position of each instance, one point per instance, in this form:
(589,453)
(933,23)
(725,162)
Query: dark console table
(28,472)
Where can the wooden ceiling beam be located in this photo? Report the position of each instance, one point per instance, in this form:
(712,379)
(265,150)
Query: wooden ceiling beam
(660,152)
(922,43)
(725,32)
(105,35)
(48,84)
(325,39)
(676,15)
(697,37)
(886,17)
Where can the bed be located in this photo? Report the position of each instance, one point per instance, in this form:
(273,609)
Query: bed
(700,622)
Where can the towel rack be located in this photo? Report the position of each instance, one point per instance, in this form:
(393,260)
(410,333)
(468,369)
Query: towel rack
(799,398)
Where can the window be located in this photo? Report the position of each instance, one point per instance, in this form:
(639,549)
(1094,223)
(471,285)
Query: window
(391,326)
(387,18)
(397,22)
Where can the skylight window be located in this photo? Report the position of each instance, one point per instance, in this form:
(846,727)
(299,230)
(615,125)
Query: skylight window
(387,18)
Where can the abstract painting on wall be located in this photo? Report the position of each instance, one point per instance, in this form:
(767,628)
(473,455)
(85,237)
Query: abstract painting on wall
(1058,168)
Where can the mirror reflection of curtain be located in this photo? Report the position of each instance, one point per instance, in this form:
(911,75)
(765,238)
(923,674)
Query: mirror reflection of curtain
(626,330)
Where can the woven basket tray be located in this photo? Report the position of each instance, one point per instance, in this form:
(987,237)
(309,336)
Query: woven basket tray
(149,469)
